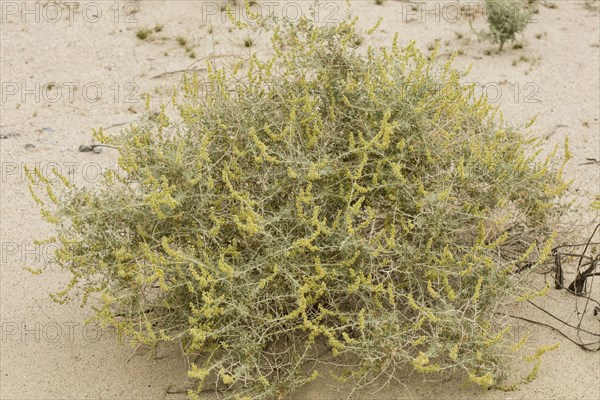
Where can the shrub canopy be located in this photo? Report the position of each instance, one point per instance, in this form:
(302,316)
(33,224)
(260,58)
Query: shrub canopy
(322,204)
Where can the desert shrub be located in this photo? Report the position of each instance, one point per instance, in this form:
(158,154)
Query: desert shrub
(506,18)
(361,210)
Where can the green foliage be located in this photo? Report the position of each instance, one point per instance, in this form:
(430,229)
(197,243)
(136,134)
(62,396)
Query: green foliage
(143,33)
(181,40)
(506,18)
(320,198)
(596,203)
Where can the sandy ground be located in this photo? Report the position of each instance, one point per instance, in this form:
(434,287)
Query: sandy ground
(101,71)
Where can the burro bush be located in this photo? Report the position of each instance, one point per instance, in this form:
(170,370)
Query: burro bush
(322,205)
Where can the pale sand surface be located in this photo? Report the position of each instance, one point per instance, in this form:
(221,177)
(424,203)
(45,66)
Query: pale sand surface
(47,353)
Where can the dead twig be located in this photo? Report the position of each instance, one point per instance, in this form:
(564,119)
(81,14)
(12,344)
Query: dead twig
(179,71)
(586,268)
(120,124)
(549,135)
(581,345)
(578,285)
(590,161)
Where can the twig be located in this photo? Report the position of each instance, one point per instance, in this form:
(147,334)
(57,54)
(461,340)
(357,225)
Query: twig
(578,284)
(120,124)
(133,352)
(548,136)
(565,323)
(581,345)
(179,71)
(590,161)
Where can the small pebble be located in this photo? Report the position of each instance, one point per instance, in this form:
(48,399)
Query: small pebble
(48,141)
(29,146)
(97,150)
(85,148)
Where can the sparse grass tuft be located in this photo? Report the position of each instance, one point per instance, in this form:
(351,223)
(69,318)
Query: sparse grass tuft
(143,33)
(181,40)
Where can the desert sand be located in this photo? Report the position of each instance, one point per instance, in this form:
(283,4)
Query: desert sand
(101,70)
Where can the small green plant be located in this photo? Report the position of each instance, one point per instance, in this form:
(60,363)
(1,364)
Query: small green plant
(248,42)
(181,41)
(506,18)
(158,28)
(379,2)
(143,33)
(320,199)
